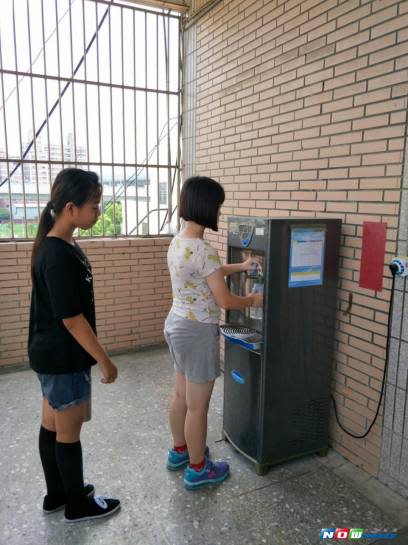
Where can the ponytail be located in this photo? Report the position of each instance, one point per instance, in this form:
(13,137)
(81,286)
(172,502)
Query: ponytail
(70,185)
(45,225)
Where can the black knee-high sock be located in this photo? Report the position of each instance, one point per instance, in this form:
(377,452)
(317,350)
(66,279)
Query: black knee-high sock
(69,460)
(46,443)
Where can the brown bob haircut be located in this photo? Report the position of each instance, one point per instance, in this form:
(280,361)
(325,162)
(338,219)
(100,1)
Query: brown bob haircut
(200,200)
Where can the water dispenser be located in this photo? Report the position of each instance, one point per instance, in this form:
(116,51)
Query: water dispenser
(278,359)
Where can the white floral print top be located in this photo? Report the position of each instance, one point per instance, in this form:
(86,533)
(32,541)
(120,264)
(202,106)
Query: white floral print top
(190,261)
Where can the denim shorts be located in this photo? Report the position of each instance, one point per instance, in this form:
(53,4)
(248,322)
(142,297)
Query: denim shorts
(67,389)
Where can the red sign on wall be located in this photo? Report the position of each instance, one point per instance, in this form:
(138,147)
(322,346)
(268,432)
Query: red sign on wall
(373,255)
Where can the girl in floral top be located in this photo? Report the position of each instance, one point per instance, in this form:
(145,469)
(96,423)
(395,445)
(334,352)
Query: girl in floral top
(191,328)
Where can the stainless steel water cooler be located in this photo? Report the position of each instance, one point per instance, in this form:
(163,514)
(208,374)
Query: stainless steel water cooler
(278,359)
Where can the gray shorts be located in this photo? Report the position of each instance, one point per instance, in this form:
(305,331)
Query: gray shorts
(194,348)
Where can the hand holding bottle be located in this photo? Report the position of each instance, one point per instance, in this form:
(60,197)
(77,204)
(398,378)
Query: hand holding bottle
(250,265)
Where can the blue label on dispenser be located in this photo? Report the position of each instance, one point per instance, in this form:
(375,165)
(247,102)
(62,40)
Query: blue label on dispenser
(236,375)
(306,258)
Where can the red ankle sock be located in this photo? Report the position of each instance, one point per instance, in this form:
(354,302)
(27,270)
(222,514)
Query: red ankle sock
(198,467)
(181,448)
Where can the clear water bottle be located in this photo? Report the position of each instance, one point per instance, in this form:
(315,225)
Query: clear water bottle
(256,313)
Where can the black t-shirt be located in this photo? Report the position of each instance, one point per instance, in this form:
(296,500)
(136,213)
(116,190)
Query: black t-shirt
(62,288)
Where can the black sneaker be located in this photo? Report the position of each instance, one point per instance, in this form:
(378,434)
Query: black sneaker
(91,508)
(53,504)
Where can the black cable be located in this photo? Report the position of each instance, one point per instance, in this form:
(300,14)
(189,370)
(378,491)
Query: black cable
(384,375)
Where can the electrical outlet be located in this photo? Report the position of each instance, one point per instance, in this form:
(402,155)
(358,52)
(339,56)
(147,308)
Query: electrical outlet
(399,266)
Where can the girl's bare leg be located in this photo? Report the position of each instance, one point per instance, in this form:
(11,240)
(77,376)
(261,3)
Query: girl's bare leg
(195,430)
(178,410)
(68,423)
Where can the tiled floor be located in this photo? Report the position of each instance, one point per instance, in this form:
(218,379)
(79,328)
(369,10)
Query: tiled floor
(125,448)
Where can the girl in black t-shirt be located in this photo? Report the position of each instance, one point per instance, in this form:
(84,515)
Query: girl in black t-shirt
(62,342)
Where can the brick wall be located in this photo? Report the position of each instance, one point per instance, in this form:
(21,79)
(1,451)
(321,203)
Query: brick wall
(132,294)
(301,111)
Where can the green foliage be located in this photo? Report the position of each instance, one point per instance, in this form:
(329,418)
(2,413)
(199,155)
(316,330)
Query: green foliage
(111,225)
(19,231)
(111,228)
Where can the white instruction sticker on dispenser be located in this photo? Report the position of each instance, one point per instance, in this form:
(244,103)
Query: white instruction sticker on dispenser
(306,259)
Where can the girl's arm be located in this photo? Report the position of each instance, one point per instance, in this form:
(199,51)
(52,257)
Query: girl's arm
(239,267)
(231,268)
(78,326)
(227,300)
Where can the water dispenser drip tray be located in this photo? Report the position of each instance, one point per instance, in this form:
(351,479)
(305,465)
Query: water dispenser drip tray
(244,336)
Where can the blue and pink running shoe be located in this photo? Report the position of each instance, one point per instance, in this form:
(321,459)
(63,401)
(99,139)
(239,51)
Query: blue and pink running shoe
(212,473)
(178,460)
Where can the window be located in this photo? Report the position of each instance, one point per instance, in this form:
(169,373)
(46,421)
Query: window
(96,85)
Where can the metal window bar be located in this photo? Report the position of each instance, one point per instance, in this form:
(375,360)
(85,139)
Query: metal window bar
(123,118)
(167,55)
(73,85)
(180,83)
(135,122)
(146,128)
(19,119)
(139,166)
(83,164)
(60,93)
(99,114)
(71,80)
(86,89)
(157,123)
(86,84)
(47,123)
(6,143)
(111,122)
(32,108)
